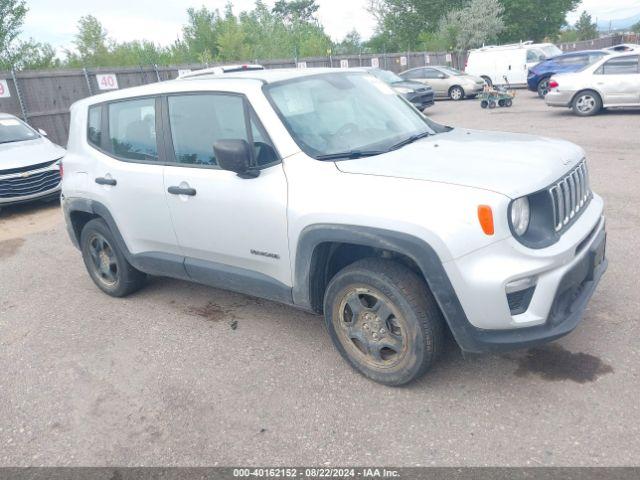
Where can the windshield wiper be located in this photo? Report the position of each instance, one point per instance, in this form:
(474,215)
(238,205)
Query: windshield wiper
(409,140)
(352,154)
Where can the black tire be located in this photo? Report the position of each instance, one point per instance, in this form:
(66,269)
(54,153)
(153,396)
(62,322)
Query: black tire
(501,103)
(487,80)
(586,103)
(391,301)
(508,103)
(492,104)
(456,93)
(543,87)
(106,264)
(484,104)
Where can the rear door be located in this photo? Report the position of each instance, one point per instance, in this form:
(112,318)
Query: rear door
(128,172)
(229,228)
(618,80)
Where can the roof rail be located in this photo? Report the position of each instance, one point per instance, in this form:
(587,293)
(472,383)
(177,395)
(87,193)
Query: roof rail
(506,45)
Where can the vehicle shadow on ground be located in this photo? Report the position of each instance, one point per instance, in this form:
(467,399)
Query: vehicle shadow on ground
(27,208)
(549,362)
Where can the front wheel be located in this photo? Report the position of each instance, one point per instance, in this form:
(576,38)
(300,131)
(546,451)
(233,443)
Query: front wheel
(587,103)
(106,264)
(456,93)
(383,320)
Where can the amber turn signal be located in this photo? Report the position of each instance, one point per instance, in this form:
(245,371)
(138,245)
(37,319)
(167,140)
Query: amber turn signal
(485,215)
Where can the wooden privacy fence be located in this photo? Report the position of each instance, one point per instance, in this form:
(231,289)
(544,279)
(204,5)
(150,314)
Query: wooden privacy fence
(43,98)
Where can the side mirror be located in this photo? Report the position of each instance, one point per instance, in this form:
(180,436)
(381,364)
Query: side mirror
(42,132)
(235,156)
(441,76)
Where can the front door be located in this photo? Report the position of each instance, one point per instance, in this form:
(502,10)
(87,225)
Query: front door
(619,81)
(232,230)
(438,81)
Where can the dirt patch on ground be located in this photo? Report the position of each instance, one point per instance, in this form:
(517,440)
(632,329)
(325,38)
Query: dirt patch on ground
(211,311)
(554,363)
(21,220)
(8,248)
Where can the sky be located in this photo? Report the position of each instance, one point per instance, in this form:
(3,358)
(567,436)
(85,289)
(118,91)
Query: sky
(161,20)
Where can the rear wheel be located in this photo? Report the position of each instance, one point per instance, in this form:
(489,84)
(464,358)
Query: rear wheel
(484,104)
(587,103)
(456,93)
(383,320)
(492,104)
(543,87)
(106,264)
(508,102)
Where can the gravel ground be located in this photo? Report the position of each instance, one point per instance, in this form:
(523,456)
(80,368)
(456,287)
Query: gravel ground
(181,374)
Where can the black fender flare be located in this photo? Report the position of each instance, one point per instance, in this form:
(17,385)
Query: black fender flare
(412,247)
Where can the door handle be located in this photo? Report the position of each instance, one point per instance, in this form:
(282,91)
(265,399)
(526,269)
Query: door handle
(106,181)
(191,192)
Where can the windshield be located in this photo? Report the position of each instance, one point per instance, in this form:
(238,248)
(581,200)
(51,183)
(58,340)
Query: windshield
(13,130)
(346,115)
(551,51)
(386,76)
(451,71)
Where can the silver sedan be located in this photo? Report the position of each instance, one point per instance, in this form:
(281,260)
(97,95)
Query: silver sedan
(612,82)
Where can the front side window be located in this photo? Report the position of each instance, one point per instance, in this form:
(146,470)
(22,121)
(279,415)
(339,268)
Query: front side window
(198,121)
(417,73)
(94,127)
(13,130)
(332,113)
(535,56)
(132,129)
(621,66)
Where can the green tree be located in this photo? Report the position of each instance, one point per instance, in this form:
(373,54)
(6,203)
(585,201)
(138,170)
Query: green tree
(585,28)
(12,13)
(90,42)
(468,27)
(295,11)
(534,19)
(636,27)
(231,38)
(200,36)
(350,45)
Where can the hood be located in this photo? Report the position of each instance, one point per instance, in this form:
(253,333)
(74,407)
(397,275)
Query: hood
(29,152)
(508,163)
(417,86)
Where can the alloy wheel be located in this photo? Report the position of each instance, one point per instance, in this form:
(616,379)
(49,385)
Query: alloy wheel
(586,103)
(103,259)
(456,94)
(370,327)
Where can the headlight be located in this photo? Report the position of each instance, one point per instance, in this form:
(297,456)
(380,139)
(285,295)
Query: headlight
(403,90)
(520,215)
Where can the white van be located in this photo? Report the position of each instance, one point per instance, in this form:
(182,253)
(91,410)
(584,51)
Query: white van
(495,62)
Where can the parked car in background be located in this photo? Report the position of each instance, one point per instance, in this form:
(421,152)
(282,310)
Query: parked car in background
(419,94)
(613,81)
(624,47)
(539,75)
(494,63)
(309,187)
(220,70)
(29,163)
(446,81)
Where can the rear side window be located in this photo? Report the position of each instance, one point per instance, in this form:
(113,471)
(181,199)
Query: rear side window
(94,127)
(621,66)
(132,129)
(198,121)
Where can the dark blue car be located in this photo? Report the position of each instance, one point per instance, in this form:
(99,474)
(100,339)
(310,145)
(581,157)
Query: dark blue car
(539,75)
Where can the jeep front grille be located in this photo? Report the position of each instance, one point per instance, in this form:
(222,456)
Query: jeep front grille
(570,195)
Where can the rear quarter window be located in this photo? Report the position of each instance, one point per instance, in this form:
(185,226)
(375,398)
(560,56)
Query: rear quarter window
(94,126)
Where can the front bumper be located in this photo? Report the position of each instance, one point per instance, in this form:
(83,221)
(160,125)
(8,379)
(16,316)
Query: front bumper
(422,101)
(32,185)
(556,98)
(565,275)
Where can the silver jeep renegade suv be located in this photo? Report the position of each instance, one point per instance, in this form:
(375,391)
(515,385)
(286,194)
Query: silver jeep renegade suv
(325,190)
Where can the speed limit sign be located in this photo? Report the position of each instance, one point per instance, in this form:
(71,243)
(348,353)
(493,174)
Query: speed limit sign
(107,81)
(4,89)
